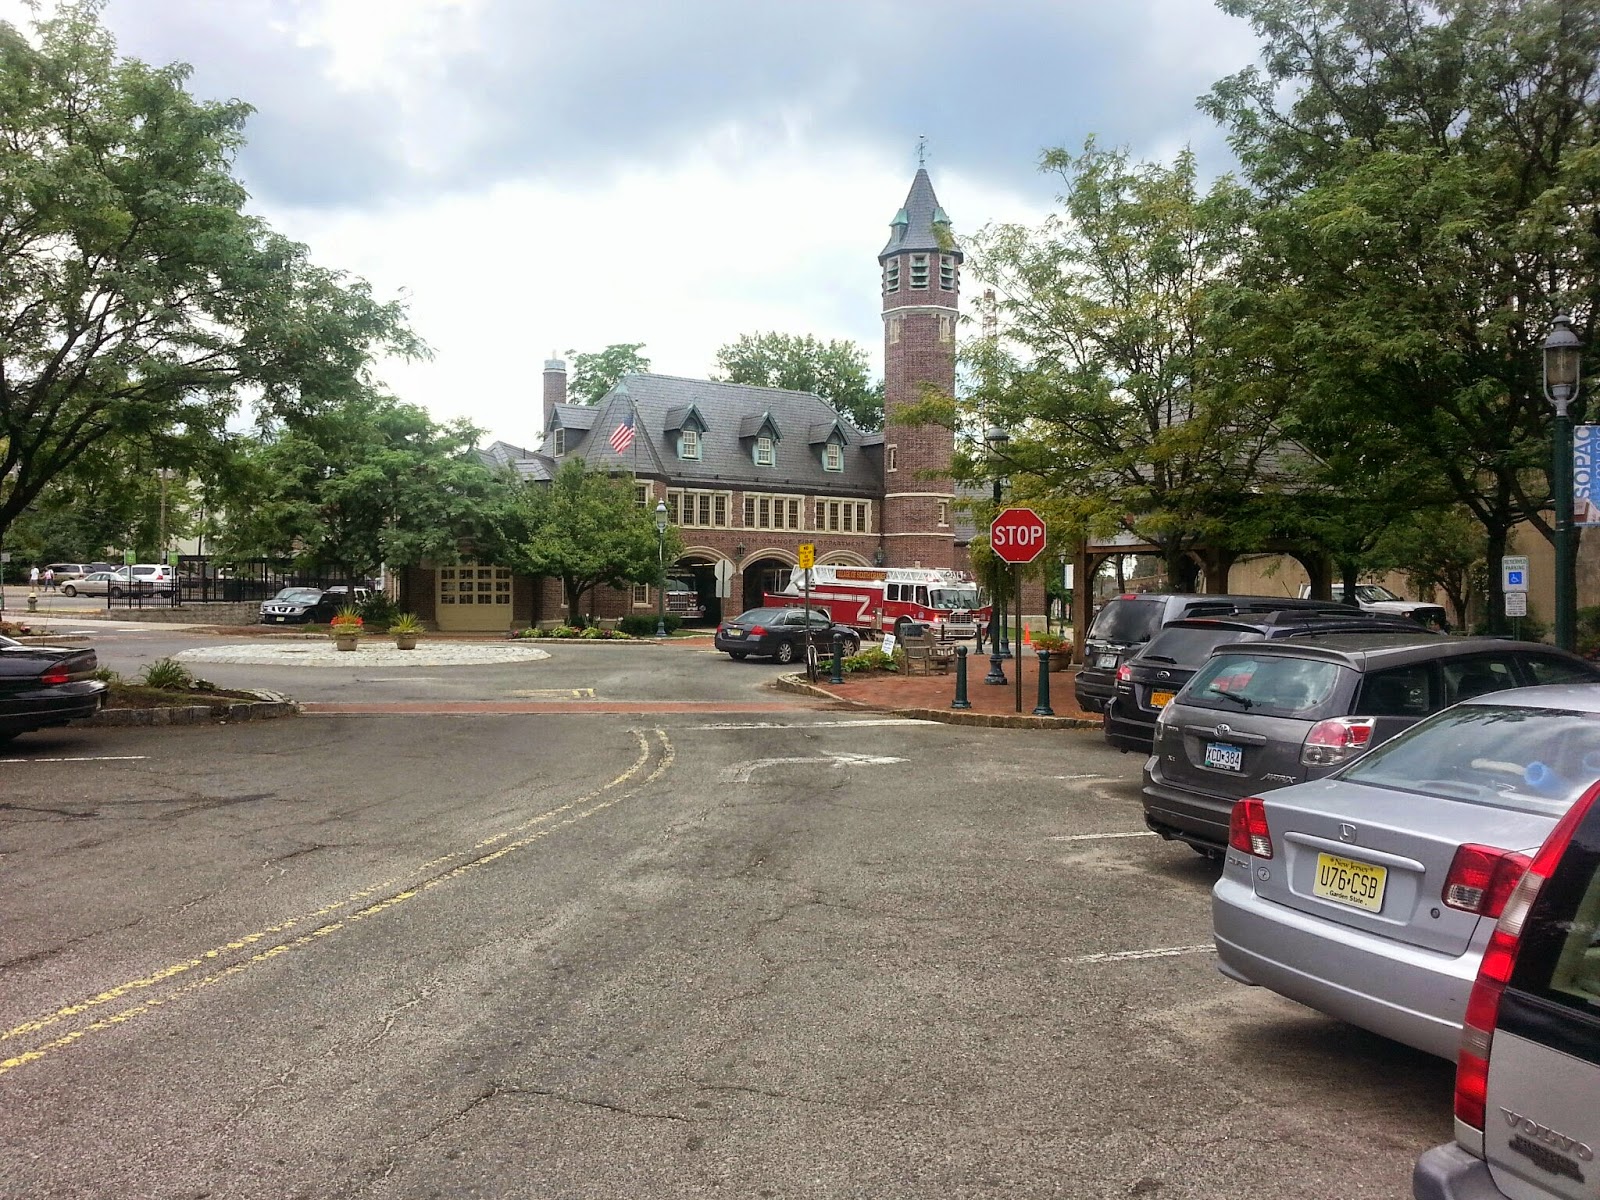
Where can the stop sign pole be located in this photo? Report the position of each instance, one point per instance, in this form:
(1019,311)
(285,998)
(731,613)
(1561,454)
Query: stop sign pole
(1017,536)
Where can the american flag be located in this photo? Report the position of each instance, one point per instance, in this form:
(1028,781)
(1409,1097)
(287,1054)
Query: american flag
(622,435)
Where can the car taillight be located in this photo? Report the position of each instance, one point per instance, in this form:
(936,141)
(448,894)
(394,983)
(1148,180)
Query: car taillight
(1247,828)
(1481,879)
(56,674)
(1483,1005)
(1125,674)
(1336,739)
(757,631)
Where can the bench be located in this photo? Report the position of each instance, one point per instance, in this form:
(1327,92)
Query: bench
(927,654)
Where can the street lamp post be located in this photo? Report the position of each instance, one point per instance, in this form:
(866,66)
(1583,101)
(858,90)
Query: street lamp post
(661,568)
(999,651)
(1563,361)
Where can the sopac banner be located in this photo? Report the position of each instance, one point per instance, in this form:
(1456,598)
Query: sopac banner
(1585,492)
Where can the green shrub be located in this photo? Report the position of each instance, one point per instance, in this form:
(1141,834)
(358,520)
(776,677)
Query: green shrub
(642,626)
(168,675)
(871,660)
(107,675)
(378,609)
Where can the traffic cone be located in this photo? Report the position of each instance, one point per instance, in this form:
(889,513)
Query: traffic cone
(1027,638)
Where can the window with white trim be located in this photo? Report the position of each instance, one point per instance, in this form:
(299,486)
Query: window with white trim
(558,442)
(891,458)
(833,457)
(641,595)
(641,495)
(689,443)
(843,516)
(766,452)
(947,272)
(891,275)
(771,512)
(919,272)
(700,510)
(944,513)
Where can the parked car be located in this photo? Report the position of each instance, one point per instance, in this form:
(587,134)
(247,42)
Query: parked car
(148,577)
(1375,598)
(298,606)
(1148,680)
(1125,623)
(1371,895)
(1277,713)
(97,583)
(42,686)
(780,634)
(1527,1075)
(68,571)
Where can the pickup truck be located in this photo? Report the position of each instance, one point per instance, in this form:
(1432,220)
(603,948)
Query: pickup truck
(1375,598)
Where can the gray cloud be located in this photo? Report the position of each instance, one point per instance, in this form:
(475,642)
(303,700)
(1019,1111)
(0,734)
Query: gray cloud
(579,91)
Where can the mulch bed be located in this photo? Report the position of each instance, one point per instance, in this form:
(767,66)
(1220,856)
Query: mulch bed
(881,689)
(130,695)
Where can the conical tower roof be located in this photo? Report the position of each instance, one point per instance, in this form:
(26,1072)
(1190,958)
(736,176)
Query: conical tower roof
(920,224)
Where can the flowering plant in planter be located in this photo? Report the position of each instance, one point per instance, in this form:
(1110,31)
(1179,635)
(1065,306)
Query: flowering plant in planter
(346,623)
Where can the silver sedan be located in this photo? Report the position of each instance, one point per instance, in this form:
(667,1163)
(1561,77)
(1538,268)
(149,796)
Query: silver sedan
(1370,895)
(96,583)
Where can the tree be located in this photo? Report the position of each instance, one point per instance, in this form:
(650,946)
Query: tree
(837,371)
(370,482)
(586,528)
(138,301)
(593,375)
(1115,371)
(1436,548)
(1432,172)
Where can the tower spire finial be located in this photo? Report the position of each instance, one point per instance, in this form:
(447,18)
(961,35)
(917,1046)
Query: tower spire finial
(922,149)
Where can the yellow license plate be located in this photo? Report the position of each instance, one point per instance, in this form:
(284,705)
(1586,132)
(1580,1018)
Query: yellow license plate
(1160,699)
(1347,881)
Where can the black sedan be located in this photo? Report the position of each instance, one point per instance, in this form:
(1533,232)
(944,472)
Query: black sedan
(300,605)
(780,634)
(45,685)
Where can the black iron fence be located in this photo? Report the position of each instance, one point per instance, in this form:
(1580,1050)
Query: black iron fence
(201,579)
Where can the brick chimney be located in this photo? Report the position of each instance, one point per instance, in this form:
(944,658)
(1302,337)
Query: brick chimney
(555,390)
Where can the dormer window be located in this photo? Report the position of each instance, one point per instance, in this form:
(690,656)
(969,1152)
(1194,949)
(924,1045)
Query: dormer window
(558,441)
(766,454)
(947,272)
(689,443)
(919,272)
(891,275)
(833,457)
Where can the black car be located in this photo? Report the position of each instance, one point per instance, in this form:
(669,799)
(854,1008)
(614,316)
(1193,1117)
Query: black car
(1125,623)
(42,686)
(1147,681)
(780,634)
(304,605)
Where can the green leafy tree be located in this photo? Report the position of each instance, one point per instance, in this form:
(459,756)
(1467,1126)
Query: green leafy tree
(1437,549)
(1431,176)
(138,300)
(366,483)
(586,528)
(593,375)
(837,371)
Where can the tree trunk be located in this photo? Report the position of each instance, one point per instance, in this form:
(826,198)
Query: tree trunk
(1495,548)
(1348,573)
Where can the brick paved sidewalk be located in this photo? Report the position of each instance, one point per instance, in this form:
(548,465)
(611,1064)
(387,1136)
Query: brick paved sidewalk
(934,693)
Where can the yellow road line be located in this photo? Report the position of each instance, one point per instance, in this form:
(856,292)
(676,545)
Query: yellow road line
(240,943)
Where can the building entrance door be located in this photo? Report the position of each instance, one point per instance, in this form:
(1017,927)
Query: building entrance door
(473,597)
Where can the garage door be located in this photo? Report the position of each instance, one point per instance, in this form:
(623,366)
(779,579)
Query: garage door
(474,597)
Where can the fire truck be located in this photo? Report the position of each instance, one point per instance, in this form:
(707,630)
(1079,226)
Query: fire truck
(874,599)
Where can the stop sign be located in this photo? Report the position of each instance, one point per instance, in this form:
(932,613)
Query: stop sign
(1017,536)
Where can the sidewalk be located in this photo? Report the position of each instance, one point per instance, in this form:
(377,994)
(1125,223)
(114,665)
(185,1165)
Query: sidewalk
(930,696)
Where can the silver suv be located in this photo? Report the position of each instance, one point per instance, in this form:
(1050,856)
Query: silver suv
(1268,714)
(1528,1075)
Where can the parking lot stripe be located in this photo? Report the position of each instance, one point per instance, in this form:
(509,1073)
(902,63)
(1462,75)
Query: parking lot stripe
(1132,955)
(97,758)
(1095,837)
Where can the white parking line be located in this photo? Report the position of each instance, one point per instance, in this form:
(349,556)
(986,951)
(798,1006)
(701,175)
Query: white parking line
(1130,955)
(1095,837)
(99,758)
(816,724)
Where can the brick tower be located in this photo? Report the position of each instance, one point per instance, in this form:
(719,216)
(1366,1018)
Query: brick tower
(921,291)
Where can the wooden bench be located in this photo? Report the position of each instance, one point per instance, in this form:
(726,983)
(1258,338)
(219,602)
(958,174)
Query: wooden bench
(926,654)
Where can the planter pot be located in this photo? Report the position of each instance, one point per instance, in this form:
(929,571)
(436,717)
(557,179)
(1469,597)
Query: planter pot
(405,641)
(1060,660)
(346,641)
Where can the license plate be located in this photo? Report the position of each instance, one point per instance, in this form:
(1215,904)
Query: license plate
(1224,757)
(1160,699)
(280,620)
(1106,661)
(1346,881)
(736,633)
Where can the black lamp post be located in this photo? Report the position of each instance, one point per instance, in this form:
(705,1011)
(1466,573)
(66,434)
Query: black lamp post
(999,651)
(661,568)
(1563,361)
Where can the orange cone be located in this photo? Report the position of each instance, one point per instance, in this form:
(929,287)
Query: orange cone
(1027,638)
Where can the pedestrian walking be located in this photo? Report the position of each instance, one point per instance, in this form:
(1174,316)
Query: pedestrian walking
(33,577)
(49,579)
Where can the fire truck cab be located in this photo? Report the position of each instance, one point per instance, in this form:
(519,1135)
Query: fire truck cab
(877,599)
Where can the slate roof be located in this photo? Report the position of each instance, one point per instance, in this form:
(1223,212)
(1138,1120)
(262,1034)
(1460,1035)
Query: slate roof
(726,445)
(920,224)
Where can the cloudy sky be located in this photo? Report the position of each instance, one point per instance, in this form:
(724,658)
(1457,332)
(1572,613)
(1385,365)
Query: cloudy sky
(555,175)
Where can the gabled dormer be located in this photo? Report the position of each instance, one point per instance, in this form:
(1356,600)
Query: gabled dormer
(688,427)
(760,432)
(569,425)
(829,438)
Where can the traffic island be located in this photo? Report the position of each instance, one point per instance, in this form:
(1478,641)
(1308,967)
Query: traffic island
(248,705)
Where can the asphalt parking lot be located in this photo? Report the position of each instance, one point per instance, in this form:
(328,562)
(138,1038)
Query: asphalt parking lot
(797,952)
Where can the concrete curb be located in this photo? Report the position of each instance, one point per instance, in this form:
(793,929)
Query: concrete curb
(265,706)
(949,716)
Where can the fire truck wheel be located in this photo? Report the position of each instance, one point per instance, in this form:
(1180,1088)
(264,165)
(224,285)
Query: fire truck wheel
(738,655)
(784,653)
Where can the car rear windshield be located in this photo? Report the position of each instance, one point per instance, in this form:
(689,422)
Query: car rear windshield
(1123,620)
(1503,756)
(309,595)
(1268,684)
(1189,645)
(1560,956)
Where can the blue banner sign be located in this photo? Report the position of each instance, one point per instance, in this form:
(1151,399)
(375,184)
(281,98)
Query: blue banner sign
(1585,492)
